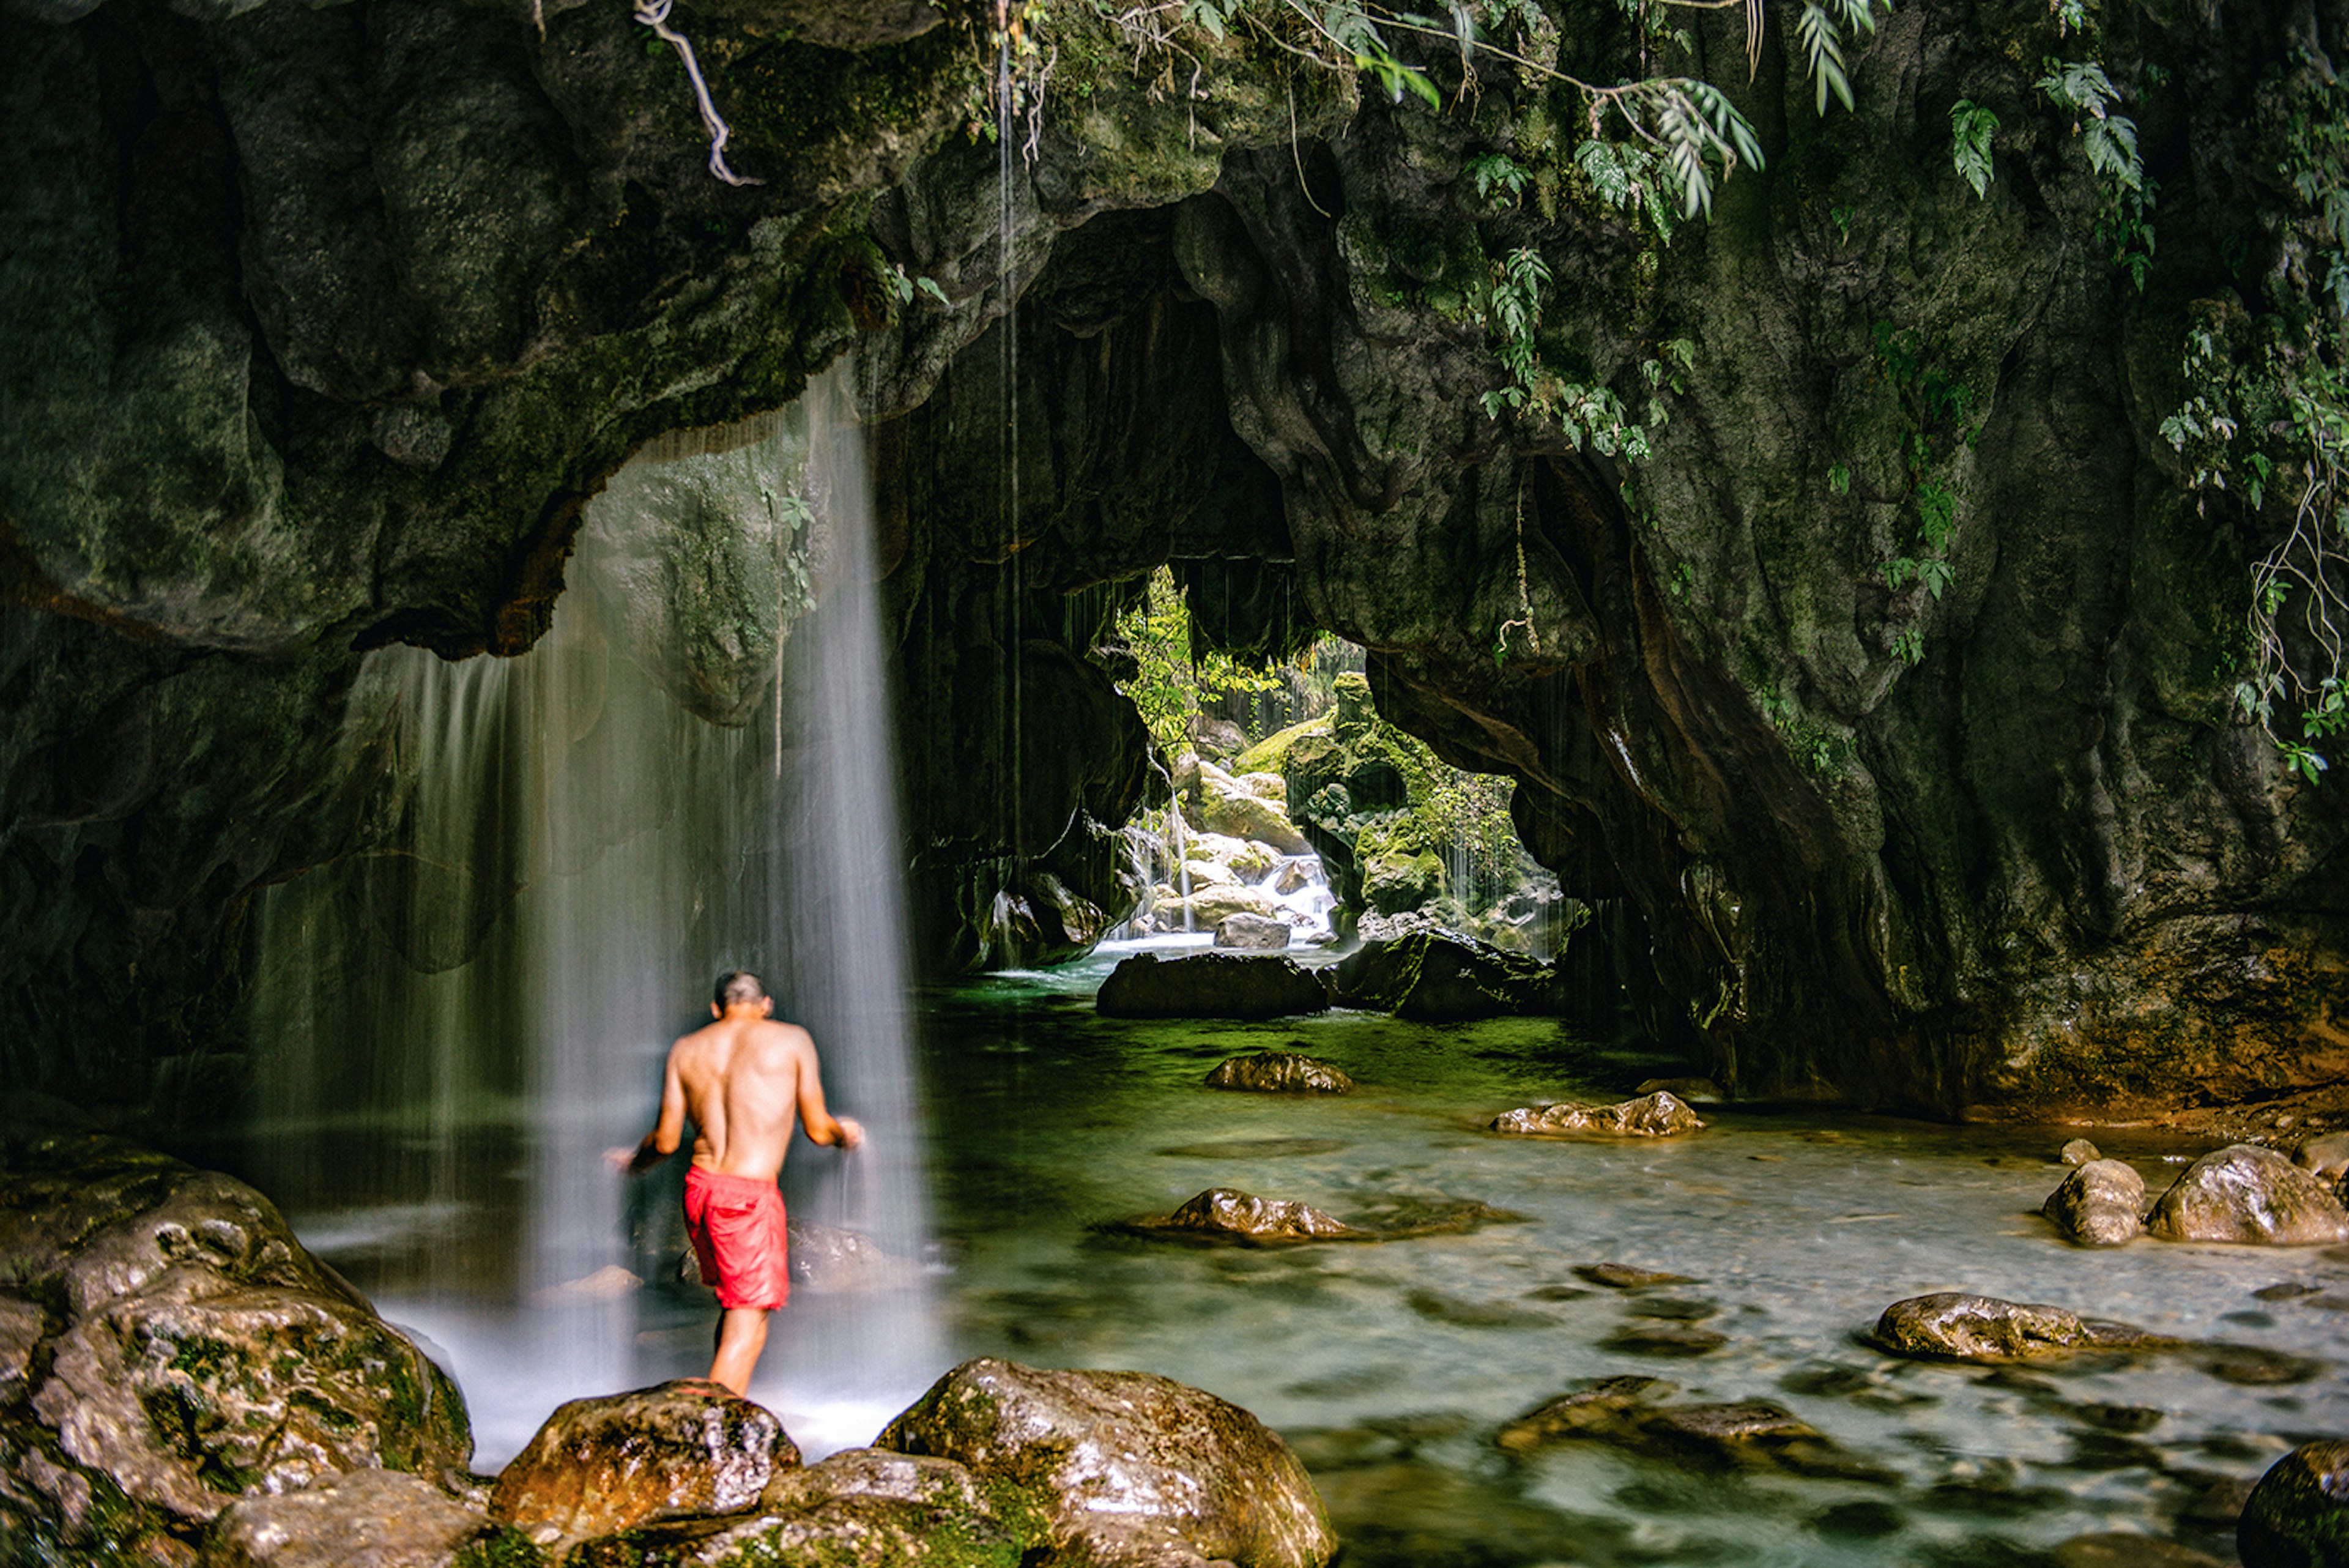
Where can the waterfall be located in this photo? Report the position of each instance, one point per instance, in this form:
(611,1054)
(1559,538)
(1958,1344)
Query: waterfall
(450,1030)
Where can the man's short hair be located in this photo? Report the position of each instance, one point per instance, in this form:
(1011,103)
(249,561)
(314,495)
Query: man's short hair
(739,985)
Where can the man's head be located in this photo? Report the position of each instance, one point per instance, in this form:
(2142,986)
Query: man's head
(737,988)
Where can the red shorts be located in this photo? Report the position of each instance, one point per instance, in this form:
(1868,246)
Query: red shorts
(738,1229)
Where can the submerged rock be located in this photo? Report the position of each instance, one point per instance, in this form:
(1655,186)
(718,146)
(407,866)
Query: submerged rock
(2125,1549)
(2099,1203)
(862,1508)
(2248,1194)
(2079,1151)
(1279,1073)
(1430,977)
(2298,1515)
(1230,1214)
(1664,1339)
(1628,1276)
(1745,1434)
(367,1518)
(1660,1115)
(1209,985)
(1253,933)
(1124,1467)
(683,1448)
(1951,1326)
(182,1348)
(827,1258)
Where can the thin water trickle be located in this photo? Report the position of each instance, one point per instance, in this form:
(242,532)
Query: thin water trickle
(453,1030)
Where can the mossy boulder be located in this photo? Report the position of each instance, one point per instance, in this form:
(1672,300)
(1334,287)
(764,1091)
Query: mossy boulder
(2298,1515)
(1209,985)
(185,1350)
(365,1519)
(1431,977)
(1124,1466)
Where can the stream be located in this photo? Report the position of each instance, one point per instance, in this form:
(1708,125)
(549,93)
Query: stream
(1392,1365)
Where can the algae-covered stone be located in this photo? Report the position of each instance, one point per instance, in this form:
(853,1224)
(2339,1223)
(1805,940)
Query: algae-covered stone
(2079,1151)
(1279,1073)
(683,1448)
(195,1351)
(2098,1204)
(2298,1515)
(1951,1326)
(367,1518)
(1209,985)
(1660,1115)
(2249,1194)
(1125,1467)
(1225,1212)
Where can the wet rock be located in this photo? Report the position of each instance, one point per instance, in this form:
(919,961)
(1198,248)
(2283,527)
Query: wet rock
(2325,1156)
(2098,1204)
(1225,1213)
(1745,1434)
(1215,802)
(1209,985)
(2246,1193)
(1398,881)
(827,1258)
(603,1464)
(1430,977)
(2079,1151)
(1124,1467)
(2122,1549)
(1628,1276)
(1660,1115)
(181,1347)
(1279,1073)
(862,1508)
(2298,1515)
(1401,1219)
(1663,1339)
(367,1518)
(2218,1504)
(1951,1326)
(1253,933)
(2284,1290)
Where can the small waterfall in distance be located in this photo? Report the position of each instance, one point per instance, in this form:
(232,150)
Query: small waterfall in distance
(450,1030)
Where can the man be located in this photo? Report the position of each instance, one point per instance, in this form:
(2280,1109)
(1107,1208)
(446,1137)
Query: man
(740,1079)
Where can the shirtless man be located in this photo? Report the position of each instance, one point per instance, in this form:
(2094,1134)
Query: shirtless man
(740,1079)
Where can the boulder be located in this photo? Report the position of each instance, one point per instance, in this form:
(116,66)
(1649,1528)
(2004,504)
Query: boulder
(1432,978)
(1225,1213)
(183,1349)
(2298,1515)
(2325,1155)
(862,1508)
(1253,933)
(1660,1115)
(2098,1204)
(826,1258)
(1397,881)
(1279,1073)
(599,1465)
(1209,906)
(1215,802)
(365,1519)
(2079,1151)
(2246,1193)
(1124,1467)
(1951,1326)
(1209,985)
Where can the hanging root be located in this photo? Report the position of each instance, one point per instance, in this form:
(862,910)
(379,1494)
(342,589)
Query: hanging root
(654,14)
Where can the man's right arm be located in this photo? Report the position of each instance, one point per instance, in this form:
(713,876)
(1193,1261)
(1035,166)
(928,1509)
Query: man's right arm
(668,1134)
(821,1125)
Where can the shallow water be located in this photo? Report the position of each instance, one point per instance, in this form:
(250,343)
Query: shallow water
(1392,1365)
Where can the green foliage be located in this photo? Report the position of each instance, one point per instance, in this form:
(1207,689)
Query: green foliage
(1500,180)
(1168,682)
(1809,742)
(1821,34)
(1970,129)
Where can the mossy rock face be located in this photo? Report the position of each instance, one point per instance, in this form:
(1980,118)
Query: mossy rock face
(2297,1515)
(191,1351)
(367,1518)
(1124,1465)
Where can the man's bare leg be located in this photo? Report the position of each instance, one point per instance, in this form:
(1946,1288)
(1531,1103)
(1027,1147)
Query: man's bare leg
(742,1335)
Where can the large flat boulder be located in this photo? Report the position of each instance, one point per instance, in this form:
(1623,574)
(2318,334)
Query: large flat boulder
(1660,1115)
(1124,1467)
(2248,1194)
(1209,985)
(2099,1204)
(178,1348)
(1951,1326)
(682,1450)
(1429,977)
